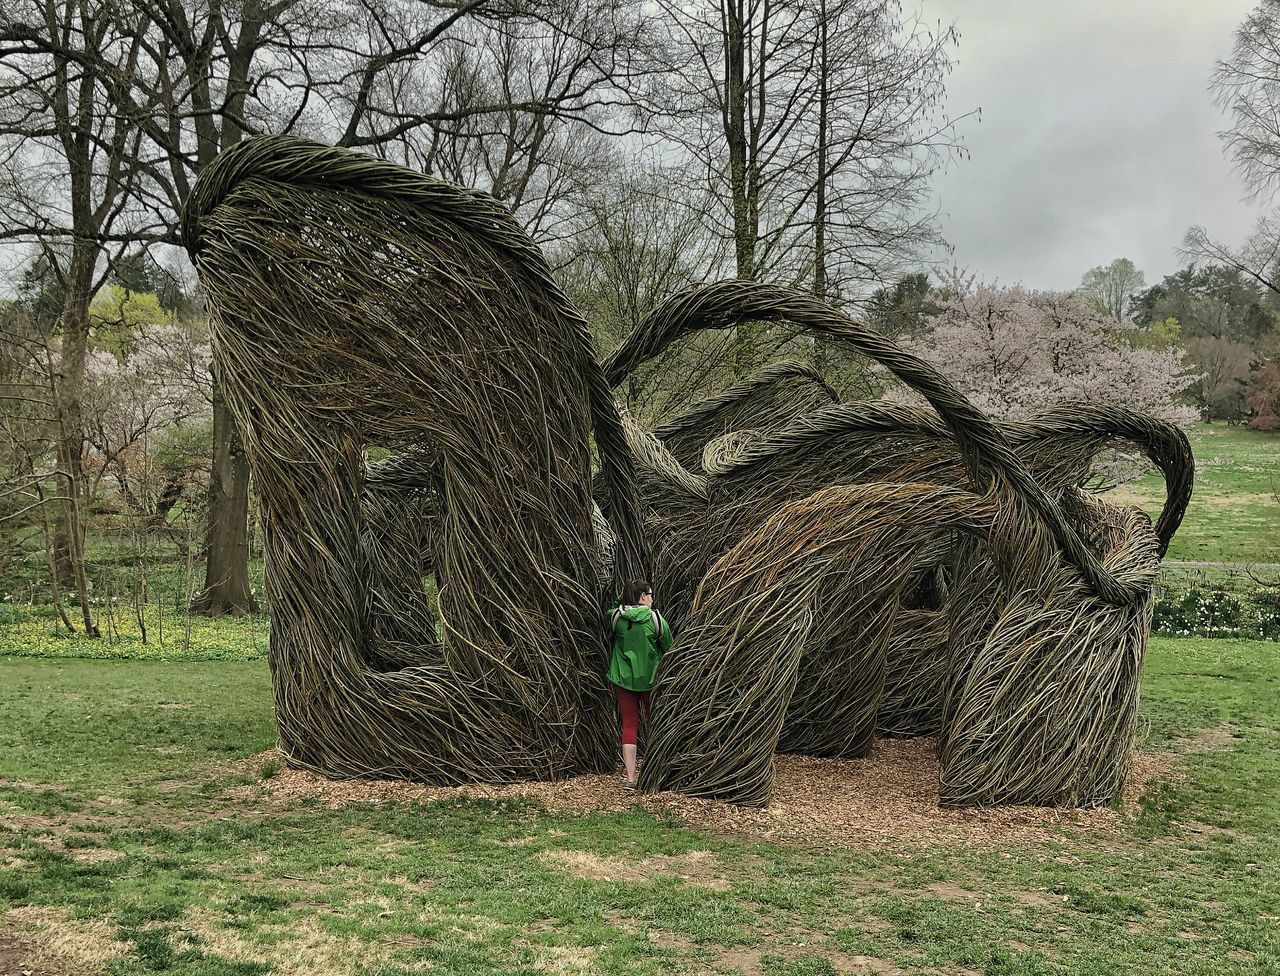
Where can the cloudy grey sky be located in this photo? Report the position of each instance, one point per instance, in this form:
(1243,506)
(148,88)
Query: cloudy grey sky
(1098,138)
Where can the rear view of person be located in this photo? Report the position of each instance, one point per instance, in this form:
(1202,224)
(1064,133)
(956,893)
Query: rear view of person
(640,637)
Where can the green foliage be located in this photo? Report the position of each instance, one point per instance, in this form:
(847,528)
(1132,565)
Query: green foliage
(117,315)
(171,635)
(1210,301)
(1110,289)
(904,309)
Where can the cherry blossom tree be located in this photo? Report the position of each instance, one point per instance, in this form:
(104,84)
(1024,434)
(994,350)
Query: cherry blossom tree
(1015,351)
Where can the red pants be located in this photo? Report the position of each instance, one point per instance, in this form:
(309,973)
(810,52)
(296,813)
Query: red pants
(629,704)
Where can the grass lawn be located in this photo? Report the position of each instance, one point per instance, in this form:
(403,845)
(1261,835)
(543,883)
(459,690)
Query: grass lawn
(133,840)
(1234,515)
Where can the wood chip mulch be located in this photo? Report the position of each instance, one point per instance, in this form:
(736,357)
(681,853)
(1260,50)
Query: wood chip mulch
(888,797)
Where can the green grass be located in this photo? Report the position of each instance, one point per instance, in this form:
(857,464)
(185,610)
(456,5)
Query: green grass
(116,811)
(87,725)
(1234,515)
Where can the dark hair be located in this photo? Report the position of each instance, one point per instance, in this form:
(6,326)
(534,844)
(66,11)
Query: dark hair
(634,590)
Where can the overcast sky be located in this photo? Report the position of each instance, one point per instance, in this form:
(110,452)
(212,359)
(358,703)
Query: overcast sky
(1098,136)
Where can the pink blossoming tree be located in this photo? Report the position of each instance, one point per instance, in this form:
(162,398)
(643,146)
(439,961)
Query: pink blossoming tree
(1015,352)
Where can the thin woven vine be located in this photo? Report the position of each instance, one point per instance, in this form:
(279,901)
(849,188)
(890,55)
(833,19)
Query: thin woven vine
(833,569)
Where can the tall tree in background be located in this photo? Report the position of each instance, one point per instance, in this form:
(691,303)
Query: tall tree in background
(814,129)
(1111,289)
(525,106)
(71,177)
(881,134)
(1247,84)
(365,75)
(638,243)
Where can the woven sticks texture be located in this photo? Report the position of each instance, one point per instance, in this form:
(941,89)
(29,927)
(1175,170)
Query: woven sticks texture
(834,571)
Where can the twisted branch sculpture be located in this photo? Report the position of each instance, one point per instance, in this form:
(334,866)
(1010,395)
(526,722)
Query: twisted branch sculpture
(833,570)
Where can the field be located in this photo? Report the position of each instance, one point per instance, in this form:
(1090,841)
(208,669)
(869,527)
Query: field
(1234,515)
(147,825)
(141,834)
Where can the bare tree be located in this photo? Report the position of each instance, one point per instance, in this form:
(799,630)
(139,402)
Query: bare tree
(816,128)
(638,243)
(882,133)
(1248,85)
(70,186)
(525,106)
(1258,259)
(32,477)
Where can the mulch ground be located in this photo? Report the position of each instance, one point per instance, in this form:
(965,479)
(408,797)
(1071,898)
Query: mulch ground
(890,796)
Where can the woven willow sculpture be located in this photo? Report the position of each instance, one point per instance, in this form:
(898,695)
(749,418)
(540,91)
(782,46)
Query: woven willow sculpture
(834,571)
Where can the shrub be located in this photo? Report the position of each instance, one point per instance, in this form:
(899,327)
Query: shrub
(1214,612)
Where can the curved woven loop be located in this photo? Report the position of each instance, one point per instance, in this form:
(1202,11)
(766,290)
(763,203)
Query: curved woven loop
(767,400)
(723,700)
(359,303)
(297,165)
(1074,432)
(1059,445)
(1042,704)
(986,451)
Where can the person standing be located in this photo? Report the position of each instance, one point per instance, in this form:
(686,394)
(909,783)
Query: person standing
(640,637)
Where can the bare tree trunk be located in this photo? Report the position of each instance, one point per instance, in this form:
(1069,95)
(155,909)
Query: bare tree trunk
(820,351)
(226,574)
(68,392)
(735,134)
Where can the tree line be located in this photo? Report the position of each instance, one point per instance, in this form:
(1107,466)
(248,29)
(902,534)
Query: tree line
(646,146)
(790,141)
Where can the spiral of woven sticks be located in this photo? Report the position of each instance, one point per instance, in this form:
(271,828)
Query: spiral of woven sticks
(834,571)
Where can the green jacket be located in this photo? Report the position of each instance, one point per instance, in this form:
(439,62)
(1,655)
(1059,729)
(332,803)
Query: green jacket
(640,637)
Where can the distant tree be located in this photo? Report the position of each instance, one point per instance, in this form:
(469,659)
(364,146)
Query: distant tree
(638,243)
(1111,289)
(119,316)
(1226,322)
(1210,300)
(1014,351)
(903,309)
(1263,397)
(1223,367)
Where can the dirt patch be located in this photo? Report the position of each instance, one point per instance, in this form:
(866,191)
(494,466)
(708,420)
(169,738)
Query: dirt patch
(47,940)
(15,959)
(696,867)
(748,961)
(890,796)
(300,948)
(953,892)
(1208,740)
(1039,898)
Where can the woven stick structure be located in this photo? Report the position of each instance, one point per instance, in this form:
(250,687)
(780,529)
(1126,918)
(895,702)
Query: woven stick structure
(833,571)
